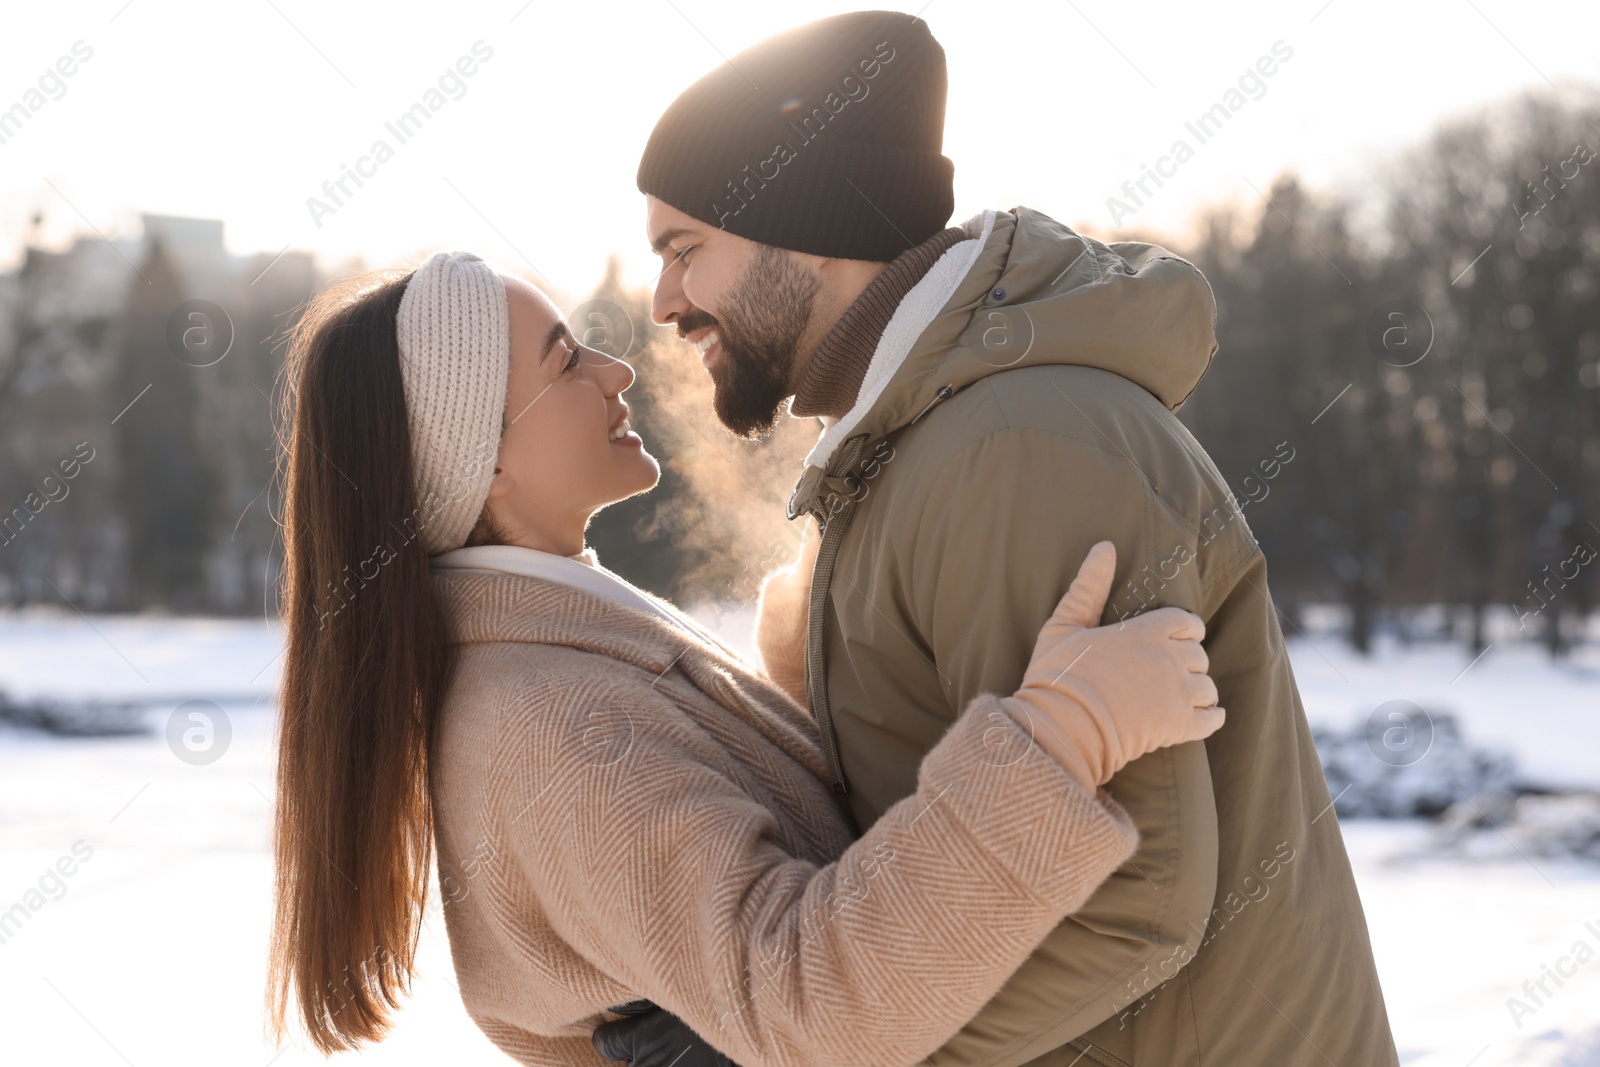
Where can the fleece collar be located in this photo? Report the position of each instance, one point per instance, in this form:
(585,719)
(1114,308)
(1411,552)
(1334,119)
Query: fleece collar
(1028,291)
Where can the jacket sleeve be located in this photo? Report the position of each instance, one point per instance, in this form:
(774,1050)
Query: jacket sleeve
(665,874)
(1000,539)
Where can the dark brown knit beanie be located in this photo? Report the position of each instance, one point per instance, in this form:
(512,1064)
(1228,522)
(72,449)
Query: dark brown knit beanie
(824,139)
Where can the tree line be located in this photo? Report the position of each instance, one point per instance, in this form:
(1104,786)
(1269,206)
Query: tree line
(1431,351)
(1406,402)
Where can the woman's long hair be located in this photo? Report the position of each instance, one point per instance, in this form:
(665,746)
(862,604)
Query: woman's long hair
(364,672)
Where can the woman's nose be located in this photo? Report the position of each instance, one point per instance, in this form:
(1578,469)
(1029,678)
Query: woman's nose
(615,375)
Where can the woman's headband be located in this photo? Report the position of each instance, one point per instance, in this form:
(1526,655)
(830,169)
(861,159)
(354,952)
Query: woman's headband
(455,356)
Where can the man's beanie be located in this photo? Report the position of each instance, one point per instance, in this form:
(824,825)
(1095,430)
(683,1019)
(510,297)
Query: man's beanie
(824,139)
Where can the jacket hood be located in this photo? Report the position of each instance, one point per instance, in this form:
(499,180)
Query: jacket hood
(1033,292)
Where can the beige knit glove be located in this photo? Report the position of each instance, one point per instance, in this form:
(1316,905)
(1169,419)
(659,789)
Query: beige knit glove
(1098,697)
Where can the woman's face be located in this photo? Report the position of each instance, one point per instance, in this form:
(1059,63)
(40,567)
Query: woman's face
(561,457)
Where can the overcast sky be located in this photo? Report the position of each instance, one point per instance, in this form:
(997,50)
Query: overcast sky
(242,110)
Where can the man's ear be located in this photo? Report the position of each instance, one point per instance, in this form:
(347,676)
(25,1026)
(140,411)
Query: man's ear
(850,274)
(813,264)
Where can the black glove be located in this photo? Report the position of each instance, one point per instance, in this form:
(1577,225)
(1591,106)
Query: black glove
(654,1037)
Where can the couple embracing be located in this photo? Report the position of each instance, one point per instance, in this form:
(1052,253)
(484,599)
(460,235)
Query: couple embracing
(978,803)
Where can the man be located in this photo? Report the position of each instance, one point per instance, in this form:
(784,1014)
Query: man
(995,398)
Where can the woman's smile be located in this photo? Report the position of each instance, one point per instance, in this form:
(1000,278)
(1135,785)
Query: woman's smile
(621,433)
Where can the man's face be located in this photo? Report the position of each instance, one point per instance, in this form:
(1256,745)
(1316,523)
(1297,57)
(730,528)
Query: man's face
(745,305)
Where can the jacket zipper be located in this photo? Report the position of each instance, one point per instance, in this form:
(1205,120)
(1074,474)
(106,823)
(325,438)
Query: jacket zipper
(833,530)
(834,527)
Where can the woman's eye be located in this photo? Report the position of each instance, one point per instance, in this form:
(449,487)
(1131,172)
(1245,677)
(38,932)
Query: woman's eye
(577,357)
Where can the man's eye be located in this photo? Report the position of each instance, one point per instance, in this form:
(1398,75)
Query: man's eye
(683,255)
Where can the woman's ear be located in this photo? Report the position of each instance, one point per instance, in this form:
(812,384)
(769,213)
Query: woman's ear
(487,531)
(501,483)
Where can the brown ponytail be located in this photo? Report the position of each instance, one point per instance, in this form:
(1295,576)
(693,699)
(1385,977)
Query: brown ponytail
(364,671)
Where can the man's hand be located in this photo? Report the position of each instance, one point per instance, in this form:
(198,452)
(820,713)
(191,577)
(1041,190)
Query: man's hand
(651,1037)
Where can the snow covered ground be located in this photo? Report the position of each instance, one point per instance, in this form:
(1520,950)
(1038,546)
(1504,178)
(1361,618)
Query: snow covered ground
(151,950)
(1455,942)
(1512,700)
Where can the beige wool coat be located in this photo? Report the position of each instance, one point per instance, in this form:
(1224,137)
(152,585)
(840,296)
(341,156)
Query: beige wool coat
(626,811)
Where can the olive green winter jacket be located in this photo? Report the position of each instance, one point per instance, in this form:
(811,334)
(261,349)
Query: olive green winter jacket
(1019,408)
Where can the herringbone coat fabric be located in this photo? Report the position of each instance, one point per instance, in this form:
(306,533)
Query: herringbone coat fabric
(624,811)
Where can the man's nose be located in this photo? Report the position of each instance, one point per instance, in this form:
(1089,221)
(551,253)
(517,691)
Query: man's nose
(668,304)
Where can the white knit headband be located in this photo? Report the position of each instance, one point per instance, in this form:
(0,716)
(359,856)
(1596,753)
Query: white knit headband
(455,354)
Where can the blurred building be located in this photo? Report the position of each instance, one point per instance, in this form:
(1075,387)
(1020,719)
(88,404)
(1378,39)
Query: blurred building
(121,449)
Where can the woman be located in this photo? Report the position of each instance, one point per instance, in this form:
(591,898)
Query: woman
(624,810)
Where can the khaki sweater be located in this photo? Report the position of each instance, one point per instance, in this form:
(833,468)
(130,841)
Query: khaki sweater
(624,812)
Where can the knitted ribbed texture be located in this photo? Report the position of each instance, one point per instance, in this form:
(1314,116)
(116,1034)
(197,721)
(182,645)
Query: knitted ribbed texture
(455,354)
(625,813)
(824,139)
(834,375)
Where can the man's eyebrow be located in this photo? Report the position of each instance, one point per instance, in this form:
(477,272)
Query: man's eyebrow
(557,332)
(660,243)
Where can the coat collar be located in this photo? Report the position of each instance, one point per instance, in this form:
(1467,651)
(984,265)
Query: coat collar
(483,608)
(1030,291)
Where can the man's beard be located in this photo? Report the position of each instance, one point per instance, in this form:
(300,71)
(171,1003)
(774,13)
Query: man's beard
(763,318)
